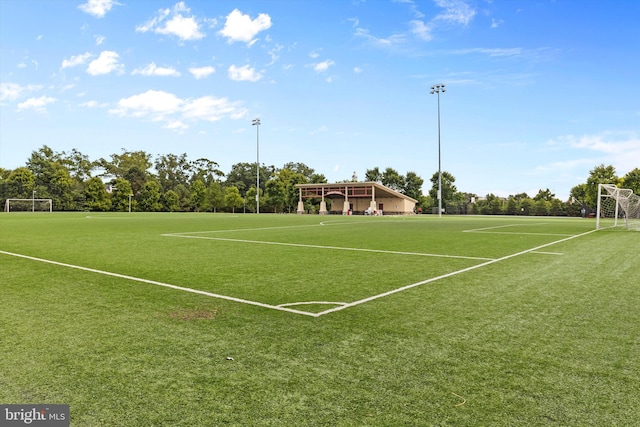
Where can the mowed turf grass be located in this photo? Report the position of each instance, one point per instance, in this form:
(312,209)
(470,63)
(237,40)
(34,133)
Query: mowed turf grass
(550,337)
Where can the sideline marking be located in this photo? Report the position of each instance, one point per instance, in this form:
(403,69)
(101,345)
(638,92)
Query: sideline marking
(166,285)
(302,245)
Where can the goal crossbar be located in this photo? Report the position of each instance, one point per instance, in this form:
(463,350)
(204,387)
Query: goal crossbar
(26,205)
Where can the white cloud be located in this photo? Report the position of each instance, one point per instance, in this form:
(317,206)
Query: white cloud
(97,8)
(202,72)
(244,73)
(456,11)
(495,24)
(420,29)
(322,66)
(314,55)
(240,27)
(620,149)
(160,106)
(176,125)
(357,70)
(37,104)
(105,64)
(392,40)
(174,22)
(495,52)
(212,109)
(76,60)
(13,91)
(99,39)
(153,70)
(91,104)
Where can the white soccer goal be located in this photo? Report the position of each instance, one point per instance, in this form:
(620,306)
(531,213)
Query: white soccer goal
(28,205)
(617,207)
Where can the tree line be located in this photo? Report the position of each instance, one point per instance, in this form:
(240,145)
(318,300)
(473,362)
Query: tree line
(583,198)
(173,183)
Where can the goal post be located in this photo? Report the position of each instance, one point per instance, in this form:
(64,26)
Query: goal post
(617,207)
(28,205)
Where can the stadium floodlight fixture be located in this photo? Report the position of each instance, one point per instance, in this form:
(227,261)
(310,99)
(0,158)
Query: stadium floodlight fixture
(256,123)
(436,89)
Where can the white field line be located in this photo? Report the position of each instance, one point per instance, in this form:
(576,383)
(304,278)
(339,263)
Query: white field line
(340,248)
(444,276)
(283,307)
(547,253)
(475,230)
(242,229)
(166,285)
(517,233)
(289,304)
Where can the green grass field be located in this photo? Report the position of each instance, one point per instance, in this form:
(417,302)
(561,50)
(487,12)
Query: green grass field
(250,320)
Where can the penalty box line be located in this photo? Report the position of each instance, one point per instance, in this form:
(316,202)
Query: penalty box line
(166,285)
(453,273)
(339,248)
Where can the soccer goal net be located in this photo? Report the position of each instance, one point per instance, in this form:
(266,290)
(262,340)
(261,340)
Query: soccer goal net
(28,205)
(617,207)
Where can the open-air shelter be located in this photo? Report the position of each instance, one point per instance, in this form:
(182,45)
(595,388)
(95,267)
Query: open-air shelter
(356,198)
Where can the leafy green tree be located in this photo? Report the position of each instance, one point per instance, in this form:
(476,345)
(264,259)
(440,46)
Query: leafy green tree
(542,207)
(632,180)
(137,178)
(393,180)
(512,206)
(317,178)
(276,194)
(205,170)
(170,201)
(448,188)
(599,175)
(301,169)
(172,170)
(19,184)
(546,195)
(122,163)
(79,165)
(96,196)
(120,195)
(373,175)
(215,196)
(149,200)
(242,176)
(232,198)
(557,207)
(413,186)
(526,206)
(198,195)
(578,200)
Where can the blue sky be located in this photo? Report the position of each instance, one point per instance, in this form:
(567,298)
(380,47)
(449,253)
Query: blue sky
(538,92)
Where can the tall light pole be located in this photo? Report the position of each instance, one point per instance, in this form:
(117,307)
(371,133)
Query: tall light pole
(33,201)
(437,89)
(256,123)
(130,196)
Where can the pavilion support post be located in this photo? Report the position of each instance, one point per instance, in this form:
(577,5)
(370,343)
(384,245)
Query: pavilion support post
(373,205)
(300,203)
(323,205)
(346,207)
